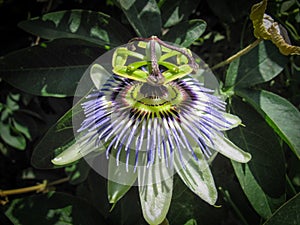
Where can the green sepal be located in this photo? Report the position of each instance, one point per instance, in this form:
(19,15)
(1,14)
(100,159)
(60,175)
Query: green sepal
(120,178)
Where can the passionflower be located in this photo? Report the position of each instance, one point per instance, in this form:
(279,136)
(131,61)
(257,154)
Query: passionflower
(266,28)
(153,117)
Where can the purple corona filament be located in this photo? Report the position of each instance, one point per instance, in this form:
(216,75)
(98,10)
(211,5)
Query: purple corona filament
(135,117)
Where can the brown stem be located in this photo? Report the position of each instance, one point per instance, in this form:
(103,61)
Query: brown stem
(38,188)
(237,55)
(60,181)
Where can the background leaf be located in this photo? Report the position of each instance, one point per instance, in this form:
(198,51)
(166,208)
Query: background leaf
(281,115)
(51,146)
(126,212)
(4,219)
(78,172)
(176,11)
(95,27)
(186,205)
(261,64)
(14,139)
(51,69)
(143,15)
(229,11)
(53,209)
(119,179)
(185,33)
(191,222)
(288,214)
(263,178)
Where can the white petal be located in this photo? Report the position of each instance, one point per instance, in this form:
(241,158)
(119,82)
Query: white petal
(227,121)
(79,149)
(197,176)
(232,119)
(155,197)
(98,75)
(228,149)
(69,155)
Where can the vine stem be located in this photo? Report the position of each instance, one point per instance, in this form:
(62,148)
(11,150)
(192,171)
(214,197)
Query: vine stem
(233,205)
(238,54)
(38,188)
(291,186)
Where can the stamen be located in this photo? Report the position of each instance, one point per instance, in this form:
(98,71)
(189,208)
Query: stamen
(167,120)
(110,146)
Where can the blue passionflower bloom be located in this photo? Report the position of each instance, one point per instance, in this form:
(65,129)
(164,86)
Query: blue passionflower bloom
(155,129)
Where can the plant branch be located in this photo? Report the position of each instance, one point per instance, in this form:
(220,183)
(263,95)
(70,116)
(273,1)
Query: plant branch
(227,198)
(38,188)
(237,55)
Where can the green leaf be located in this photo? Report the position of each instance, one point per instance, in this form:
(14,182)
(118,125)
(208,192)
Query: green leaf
(120,179)
(52,209)
(10,107)
(58,147)
(175,11)
(95,27)
(14,139)
(3,218)
(229,11)
(94,190)
(21,129)
(58,138)
(261,64)
(126,212)
(191,222)
(286,5)
(185,33)
(78,172)
(6,112)
(143,15)
(12,101)
(185,205)
(287,214)
(280,114)
(116,191)
(263,178)
(52,69)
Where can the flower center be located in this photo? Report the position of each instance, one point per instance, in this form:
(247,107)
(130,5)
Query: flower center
(150,99)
